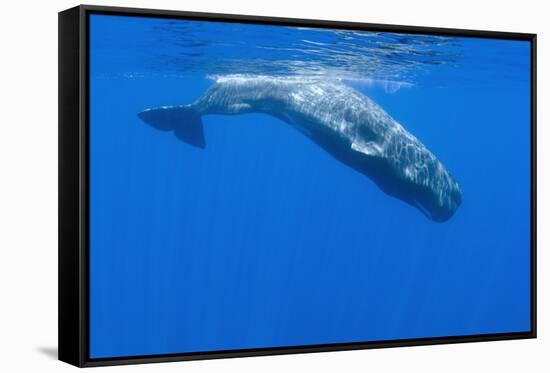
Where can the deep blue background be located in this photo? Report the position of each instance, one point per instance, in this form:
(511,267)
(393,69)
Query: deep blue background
(262,239)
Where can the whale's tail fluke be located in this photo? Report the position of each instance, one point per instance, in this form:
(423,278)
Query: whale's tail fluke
(183,120)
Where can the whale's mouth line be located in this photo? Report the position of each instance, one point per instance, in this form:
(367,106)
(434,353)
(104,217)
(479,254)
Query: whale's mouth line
(423,209)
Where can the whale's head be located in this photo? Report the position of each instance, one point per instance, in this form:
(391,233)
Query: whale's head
(405,169)
(427,185)
(440,199)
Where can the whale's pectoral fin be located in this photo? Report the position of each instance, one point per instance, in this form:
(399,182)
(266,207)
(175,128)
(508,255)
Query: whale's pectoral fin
(367,148)
(183,120)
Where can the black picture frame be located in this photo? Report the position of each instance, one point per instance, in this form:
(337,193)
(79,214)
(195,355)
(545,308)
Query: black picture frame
(74,187)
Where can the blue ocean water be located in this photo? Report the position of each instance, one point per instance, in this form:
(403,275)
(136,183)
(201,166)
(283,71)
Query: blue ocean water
(262,239)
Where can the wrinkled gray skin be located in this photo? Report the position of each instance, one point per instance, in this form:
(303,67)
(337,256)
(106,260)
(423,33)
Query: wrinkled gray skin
(349,126)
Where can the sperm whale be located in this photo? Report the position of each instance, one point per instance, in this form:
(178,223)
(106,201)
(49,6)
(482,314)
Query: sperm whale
(347,124)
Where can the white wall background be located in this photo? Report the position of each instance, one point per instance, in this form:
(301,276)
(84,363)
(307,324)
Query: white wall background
(28,184)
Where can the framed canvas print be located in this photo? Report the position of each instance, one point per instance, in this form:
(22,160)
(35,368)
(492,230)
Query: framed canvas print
(239,186)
